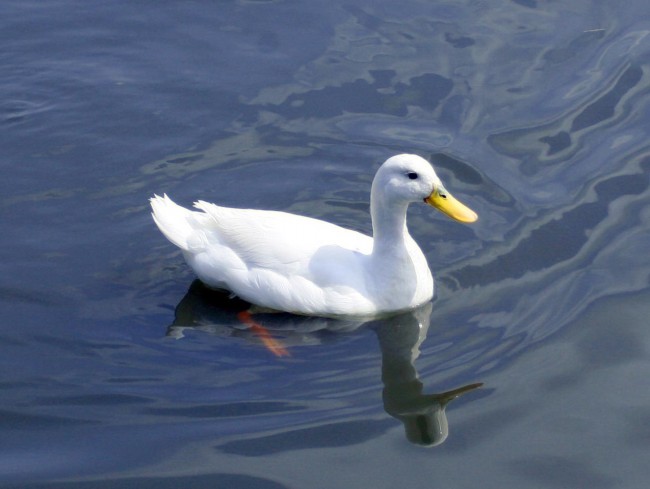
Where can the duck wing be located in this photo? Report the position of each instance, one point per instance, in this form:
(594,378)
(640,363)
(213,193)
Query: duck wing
(274,259)
(276,240)
(284,261)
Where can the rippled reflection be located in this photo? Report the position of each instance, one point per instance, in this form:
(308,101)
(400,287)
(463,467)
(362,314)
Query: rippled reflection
(423,415)
(400,337)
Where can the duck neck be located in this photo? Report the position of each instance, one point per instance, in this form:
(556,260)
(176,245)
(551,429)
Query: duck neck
(388,227)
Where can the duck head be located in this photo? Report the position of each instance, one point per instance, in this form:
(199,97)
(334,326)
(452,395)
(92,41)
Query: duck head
(408,178)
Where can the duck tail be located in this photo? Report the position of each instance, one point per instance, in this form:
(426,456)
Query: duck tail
(173,220)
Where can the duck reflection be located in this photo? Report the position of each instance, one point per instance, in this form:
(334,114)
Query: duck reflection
(217,313)
(423,415)
(400,337)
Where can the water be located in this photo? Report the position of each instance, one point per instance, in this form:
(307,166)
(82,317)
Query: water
(117,372)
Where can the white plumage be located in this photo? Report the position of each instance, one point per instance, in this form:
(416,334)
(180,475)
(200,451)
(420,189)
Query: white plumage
(297,264)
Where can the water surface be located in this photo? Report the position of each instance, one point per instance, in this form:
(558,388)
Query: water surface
(118,372)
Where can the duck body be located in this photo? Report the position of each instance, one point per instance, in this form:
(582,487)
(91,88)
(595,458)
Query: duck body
(297,264)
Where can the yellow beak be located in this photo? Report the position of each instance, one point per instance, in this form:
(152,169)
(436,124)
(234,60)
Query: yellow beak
(447,204)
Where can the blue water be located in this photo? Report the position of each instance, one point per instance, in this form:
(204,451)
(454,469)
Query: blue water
(117,370)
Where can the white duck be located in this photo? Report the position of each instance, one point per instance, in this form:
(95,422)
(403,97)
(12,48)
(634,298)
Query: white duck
(301,265)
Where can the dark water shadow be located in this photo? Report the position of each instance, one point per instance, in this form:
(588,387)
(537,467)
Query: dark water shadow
(400,336)
(210,481)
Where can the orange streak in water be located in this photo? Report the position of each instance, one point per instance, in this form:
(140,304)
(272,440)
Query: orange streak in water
(273,345)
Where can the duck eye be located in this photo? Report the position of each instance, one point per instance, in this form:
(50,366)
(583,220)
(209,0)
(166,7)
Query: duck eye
(412,175)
